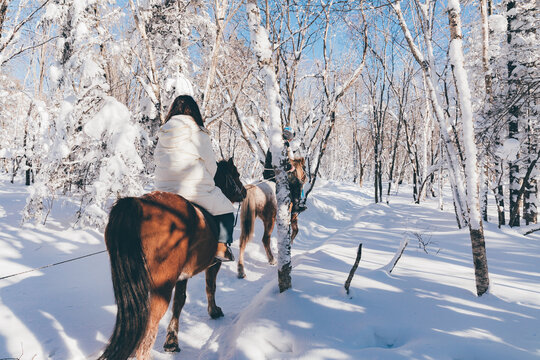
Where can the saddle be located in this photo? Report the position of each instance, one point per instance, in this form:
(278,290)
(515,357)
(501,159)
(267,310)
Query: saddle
(209,218)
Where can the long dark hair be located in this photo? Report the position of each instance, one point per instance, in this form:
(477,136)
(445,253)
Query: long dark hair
(185,105)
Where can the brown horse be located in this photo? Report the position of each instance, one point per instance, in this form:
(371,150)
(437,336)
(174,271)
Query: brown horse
(156,243)
(261,202)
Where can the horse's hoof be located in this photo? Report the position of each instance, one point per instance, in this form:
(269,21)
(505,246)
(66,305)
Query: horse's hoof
(272,262)
(171,346)
(216,313)
(241,275)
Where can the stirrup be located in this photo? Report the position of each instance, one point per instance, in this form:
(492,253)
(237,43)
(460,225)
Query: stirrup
(298,208)
(224,253)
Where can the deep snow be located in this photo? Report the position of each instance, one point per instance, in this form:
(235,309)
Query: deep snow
(425,309)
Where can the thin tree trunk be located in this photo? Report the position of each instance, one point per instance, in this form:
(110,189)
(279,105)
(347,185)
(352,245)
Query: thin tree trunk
(392,165)
(530,211)
(499,192)
(484,189)
(487,83)
(530,208)
(525,182)
(263,51)
(484,12)
(27,159)
(471,167)
(513,124)
(3,12)
(440,180)
(361,165)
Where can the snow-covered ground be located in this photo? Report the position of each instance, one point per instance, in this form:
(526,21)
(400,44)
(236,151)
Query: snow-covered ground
(426,309)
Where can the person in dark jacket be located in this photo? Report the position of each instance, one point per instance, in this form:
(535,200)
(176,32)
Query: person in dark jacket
(295,185)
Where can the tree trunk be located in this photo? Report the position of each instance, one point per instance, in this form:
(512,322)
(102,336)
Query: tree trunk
(283,222)
(530,211)
(513,125)
(471,167)
(394,154)
(440,178)
(530,207)
(376,173)
(481,272)
(484,189)
(263,51)
(3,12)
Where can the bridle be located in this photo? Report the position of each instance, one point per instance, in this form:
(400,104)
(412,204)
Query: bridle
(230,183)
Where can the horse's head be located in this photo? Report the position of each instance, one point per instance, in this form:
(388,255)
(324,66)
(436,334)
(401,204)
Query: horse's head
(227,178)
(298,167)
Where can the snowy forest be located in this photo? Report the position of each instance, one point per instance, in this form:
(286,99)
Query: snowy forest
(405,97)
(425,93)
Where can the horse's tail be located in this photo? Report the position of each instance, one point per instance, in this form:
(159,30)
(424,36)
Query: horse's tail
(247,215)
(130,277)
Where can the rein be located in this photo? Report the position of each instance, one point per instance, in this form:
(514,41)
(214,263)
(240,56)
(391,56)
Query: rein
(50,265)
(236,217)
(230,181)
(263,180)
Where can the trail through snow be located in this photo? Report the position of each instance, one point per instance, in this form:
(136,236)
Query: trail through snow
(425,309)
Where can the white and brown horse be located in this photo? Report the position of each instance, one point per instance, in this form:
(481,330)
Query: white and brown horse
(261,202)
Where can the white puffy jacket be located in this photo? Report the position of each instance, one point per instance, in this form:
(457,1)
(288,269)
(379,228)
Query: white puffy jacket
(186,164)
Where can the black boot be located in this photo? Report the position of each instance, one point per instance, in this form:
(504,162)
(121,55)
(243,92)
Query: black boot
(298,207)
(224,253)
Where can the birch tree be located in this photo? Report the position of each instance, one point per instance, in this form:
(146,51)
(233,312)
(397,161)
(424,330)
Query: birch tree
(466,199)
(471,167)
(262,49)
(522,94)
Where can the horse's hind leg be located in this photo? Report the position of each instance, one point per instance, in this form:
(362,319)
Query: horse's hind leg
(244,239)
(294,226)
(159,302)
(268,227)
(171,342)
(247,220)
(211,274)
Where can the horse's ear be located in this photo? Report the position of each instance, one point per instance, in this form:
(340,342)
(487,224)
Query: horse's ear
(231,160)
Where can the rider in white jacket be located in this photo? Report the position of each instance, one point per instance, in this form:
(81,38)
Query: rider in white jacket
(186,165)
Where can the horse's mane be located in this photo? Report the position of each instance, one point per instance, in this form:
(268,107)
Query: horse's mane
(298,165)
(222,170)
(227,178)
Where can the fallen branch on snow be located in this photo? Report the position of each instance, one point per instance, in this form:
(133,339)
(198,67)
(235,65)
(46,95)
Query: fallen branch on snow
(526,230)
(397,255)
(353,270)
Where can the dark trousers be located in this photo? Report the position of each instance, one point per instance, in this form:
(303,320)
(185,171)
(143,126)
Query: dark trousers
(225,224)
(295,187)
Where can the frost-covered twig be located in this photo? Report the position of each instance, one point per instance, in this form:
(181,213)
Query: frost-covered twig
(18,27)
(392,264)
